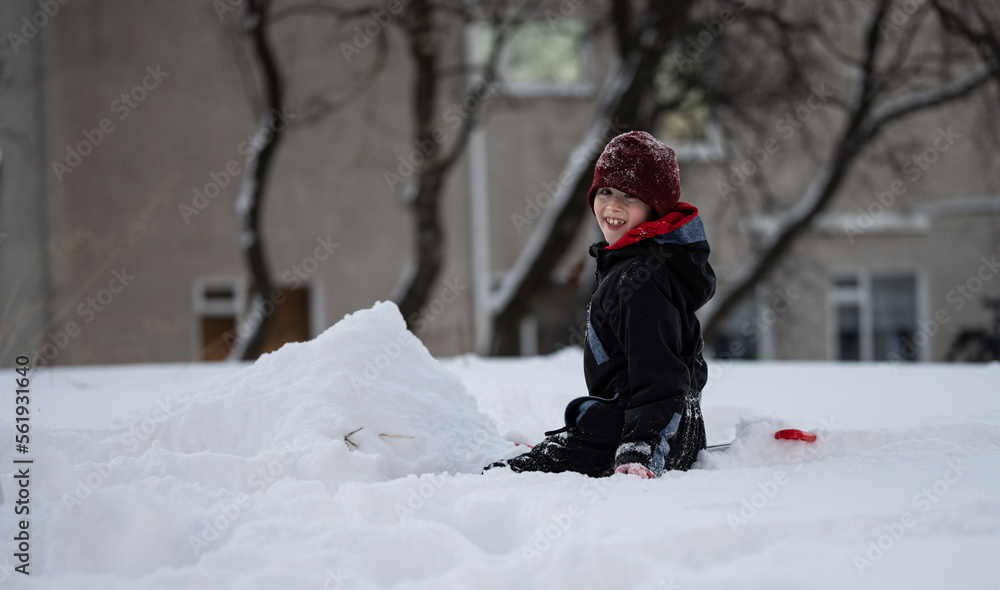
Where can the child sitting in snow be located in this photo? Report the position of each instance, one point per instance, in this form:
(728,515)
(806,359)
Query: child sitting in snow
(643,356)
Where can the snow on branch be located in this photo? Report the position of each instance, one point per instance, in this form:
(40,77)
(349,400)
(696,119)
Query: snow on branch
(865,120)
(578,165)
(929,98)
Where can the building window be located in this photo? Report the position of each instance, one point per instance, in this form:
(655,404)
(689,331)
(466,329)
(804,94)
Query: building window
(685,122)
(738,337)
(539,58)
(874,316)
(220,302)
(217,302)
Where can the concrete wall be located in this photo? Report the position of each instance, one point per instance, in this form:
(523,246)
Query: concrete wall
(25,282)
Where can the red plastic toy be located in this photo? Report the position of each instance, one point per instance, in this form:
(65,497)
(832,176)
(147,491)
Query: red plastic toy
(795,434)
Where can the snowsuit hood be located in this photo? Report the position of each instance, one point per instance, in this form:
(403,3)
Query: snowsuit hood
(682,227)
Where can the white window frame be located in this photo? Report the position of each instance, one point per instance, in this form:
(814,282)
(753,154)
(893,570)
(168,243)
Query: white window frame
(213,307)
(205,307)
(708,150)
(585,89)
(236,306)
(862,297)
(317,309)
(763,299)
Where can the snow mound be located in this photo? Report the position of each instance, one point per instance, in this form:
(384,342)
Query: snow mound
(363,402)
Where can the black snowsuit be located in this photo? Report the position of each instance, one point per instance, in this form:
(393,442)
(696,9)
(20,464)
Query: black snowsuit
(643,356)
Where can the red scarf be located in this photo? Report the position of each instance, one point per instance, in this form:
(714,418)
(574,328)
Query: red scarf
(672,221)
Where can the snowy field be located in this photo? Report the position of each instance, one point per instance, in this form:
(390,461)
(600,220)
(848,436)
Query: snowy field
(353,461)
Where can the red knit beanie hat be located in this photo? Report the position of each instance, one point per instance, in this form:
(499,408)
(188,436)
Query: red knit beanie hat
(638,164)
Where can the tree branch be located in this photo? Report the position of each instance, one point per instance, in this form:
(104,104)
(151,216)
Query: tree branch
(917,101)
(319,107)
(488,77)
(863,125)
(319,9)
(821,190)
(423,194)
(623,104)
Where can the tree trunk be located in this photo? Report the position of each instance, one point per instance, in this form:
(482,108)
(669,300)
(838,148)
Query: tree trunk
(625,104)
(252,328)
(424,193)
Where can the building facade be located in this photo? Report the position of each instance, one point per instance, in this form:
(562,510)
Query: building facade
(125,128)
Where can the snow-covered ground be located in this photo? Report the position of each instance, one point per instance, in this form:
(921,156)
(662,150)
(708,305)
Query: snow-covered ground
(353,461)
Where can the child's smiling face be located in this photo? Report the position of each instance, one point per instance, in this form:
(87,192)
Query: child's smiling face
(618,213)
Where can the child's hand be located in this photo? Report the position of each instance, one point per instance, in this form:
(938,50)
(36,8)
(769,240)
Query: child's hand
(635,469)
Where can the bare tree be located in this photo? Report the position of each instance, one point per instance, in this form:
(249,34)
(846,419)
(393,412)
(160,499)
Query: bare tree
(744,74)
(626,101)
(879,95)
(252,329)
(250,200)
(779,38)
(426,28)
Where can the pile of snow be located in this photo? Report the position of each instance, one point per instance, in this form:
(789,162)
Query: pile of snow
(220,467)
(353,461)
